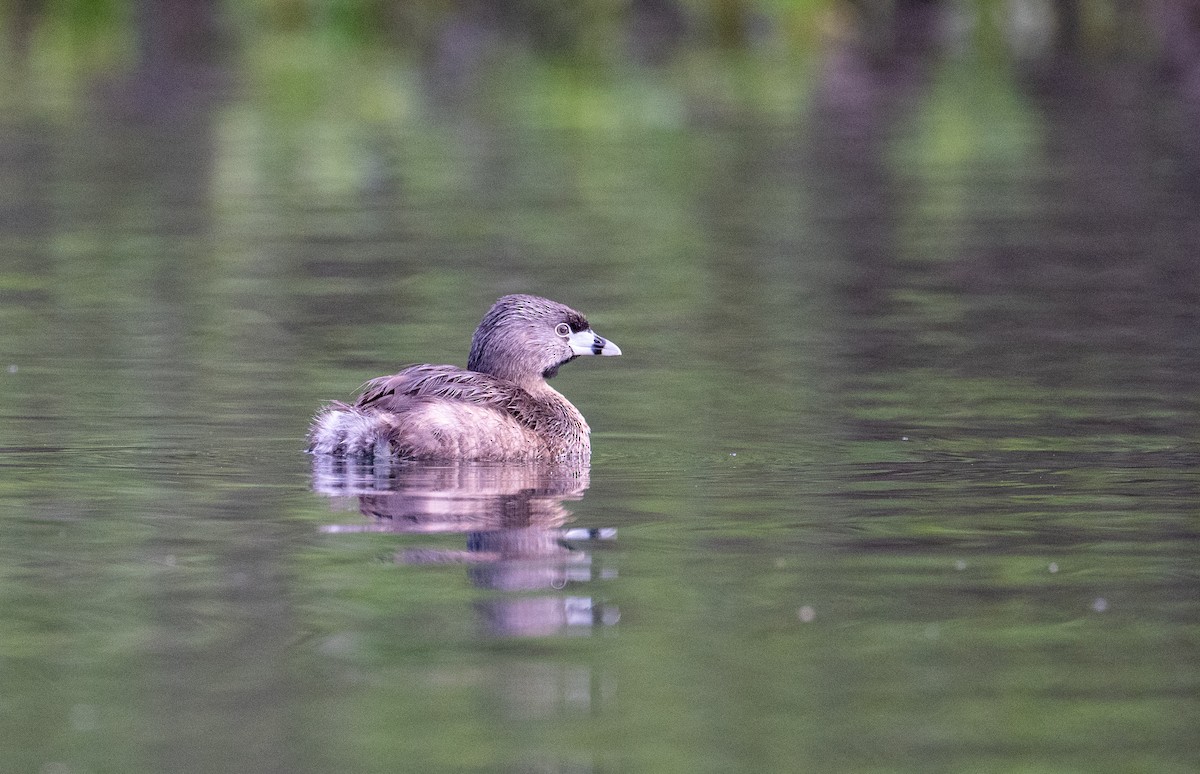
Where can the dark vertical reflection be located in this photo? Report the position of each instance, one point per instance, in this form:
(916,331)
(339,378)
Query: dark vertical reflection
(25,17)
(222,673)
(135,178)
(1176,27)
(1089,290)
(655,30)
(868,88)
(1103,291)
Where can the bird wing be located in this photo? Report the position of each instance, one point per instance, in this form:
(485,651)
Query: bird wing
(393,393)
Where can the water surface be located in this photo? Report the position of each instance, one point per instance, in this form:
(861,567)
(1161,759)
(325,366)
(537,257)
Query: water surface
(897,472)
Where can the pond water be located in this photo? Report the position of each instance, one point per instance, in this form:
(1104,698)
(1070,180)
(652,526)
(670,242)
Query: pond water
(898,471)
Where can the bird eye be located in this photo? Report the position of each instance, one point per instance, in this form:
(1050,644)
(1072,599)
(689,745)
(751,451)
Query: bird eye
(562,329)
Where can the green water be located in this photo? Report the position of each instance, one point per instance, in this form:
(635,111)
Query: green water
(898,471)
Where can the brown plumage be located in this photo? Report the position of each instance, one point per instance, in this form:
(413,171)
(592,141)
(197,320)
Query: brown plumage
(498,408)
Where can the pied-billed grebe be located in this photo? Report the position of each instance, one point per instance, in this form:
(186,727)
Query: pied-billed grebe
(499,408)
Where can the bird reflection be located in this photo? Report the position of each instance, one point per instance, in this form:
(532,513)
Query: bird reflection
(514,520)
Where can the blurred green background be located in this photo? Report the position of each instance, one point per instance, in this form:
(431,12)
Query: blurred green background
(908,298)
